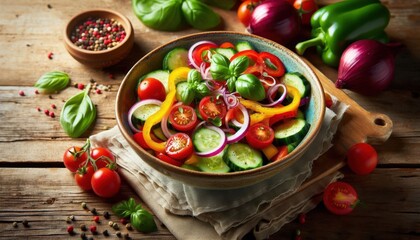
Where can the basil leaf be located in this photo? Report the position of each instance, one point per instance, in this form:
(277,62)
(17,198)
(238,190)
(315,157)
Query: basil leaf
(165,15)
(125,208)
(219,67)
(199,15)
(231,84)
(202,90)
(143,221)
(194,76)
(238,65)
(53,81)
(188,95)
(78,114)
(250,87)
(225,4)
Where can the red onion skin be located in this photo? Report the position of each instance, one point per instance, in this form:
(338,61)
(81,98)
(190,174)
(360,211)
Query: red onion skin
(367,67)
(276,20)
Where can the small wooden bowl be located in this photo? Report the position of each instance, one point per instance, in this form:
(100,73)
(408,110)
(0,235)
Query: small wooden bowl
(101,58)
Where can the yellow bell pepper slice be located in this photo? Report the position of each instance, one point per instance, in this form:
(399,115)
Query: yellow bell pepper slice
(176,76)
(262,112)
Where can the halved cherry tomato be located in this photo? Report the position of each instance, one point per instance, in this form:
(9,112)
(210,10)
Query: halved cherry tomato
(227,45)
(306,9)
(201,53)
(234,113)
(212,107)
(260,136)
(168,159)
(340,198)
(102,157)
(179,146)
(282,152)
(245,11)
(272,64)
(151,88)
(362,158)
(183,118)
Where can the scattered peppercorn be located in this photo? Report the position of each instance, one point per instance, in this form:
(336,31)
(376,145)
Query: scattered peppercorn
(83,235)
(50,55)
(302,218)
(68,220)
(106,215)
(115,226)
(111,76)
(49,6)
(98,34)
(92,229)
(15,224)
(92,80)
(52,115)
(72,217)
(124,221)
(90,238)
(36,91)
(98,91)
(47,112)
(298,235)
(126,236)
(21,93)
(105,232)
(83,227)
(53,106)
(80,86)
(84,205)
(96,219)
(118,233)
(128,226)
(50,97)
(110,223)
(93,211)
(70,229)
(25,223)
(38,109)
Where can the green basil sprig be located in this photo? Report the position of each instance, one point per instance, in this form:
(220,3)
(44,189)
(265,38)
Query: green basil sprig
(222,69)
(140,218)
(53,81)
(196,87)
(171,15)
(78,114)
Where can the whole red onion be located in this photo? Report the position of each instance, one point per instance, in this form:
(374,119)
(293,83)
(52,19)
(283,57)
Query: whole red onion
(367,67)
(276,20)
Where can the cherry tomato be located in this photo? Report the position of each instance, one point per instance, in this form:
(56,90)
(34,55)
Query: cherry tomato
(106,182)
(282,152)
(73,157)
(272,64)
(201,53)
(362,158)
(151,88)
(340,198)
(260,136)
(138,137)
(227,45)
(306,9)
(328,100)
(183,118)
(234,114)
(102,156)
(211,107)
(179,146)
(83,177)
(245,11)
(168,159)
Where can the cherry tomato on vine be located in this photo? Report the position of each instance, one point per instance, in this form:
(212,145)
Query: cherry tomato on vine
(102,156)
(211,107)
(306,9)
(340,198)
(245,11)
(83,177)
(362,158)
(151,88)
(260,136)
(179,146)
(183,118)
(73,157)
(106,182)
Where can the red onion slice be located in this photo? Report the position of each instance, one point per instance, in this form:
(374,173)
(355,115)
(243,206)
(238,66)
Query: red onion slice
(273,89)
(191,50)
(164,122)
(136,106)
(244,127)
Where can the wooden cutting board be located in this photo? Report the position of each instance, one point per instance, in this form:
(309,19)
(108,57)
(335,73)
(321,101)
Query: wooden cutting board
(357,125)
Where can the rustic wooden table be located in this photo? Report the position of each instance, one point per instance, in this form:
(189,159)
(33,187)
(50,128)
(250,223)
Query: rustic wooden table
(35,185)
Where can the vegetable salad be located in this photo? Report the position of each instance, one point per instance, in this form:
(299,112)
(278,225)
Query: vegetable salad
(220,108)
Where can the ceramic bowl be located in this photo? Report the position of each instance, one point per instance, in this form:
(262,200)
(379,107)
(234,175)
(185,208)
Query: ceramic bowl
(101,58)
(126,97)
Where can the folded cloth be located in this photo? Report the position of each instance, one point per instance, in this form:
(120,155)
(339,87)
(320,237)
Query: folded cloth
(229,214)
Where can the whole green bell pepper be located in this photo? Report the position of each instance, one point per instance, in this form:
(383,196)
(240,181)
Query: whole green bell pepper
(336,26)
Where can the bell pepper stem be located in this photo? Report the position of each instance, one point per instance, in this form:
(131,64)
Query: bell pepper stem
(302,46)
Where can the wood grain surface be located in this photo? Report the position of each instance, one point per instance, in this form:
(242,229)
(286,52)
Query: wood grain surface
(35,186)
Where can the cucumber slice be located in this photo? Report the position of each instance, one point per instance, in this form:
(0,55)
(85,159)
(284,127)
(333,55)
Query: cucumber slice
(180,87)
(175,58)
(242,46)
(213,164)
(206,139)
(298,81)
(161,75)
(291,131)
(143,112)
(240,157)
(227,52)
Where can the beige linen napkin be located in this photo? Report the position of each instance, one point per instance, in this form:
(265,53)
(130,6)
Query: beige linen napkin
(193,213)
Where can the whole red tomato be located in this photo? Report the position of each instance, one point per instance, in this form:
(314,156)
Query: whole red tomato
(362,158)
(306,9)
(83,177)
(340,198)
(245,11)
(102,157)
(73,157)
(106,182)
(151,88)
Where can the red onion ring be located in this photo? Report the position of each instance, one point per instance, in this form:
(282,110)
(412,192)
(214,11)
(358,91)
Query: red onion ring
(219,148)
(137,105)
(244,128)
(164,122)
(191,50)
(273,89)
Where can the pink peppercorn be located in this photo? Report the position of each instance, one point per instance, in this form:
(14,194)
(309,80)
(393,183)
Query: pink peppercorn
(50,55)
(98,91)
(96,218)
(36,91)
(302,218)
(52,115)
(38,109)
(70,229)
(80,86)
(53,106)
(21,93)
(92,229)
(47,112)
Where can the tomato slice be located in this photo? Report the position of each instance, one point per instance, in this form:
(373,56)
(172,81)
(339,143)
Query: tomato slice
(227,45)
(183,118)
(340,198)
(260,136)
(179,146)
(212,108)
(201,53)
(168,159)
(272,64)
